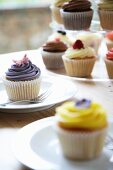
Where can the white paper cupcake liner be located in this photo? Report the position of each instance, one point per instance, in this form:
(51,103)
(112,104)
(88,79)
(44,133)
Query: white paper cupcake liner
(106,18)
(81,145)
(76,20)
(79,67)
(52,60)
(109,67)
(22,90)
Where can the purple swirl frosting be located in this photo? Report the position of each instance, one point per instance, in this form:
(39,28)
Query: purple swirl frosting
(23,70)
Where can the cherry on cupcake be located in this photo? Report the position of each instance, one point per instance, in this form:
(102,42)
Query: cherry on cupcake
(78,44)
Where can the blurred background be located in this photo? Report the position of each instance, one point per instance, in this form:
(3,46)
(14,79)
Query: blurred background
(24,24)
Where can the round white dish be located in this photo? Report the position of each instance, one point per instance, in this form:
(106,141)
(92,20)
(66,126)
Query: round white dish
(36,146)
(62,90)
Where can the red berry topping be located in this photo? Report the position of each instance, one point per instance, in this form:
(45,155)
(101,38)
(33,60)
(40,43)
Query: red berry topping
(78,44)
(109,35)
(109,55)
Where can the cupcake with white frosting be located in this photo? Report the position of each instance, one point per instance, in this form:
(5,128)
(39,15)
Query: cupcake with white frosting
(62,35)
(79,60)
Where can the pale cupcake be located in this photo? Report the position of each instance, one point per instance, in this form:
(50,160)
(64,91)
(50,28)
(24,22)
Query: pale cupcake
(52,52)
(81,128)
(109,63)
(109,40)
(22,80)
(62,35)
(79,60)
(55,9)
(77,15)
(105,10)
(90,39)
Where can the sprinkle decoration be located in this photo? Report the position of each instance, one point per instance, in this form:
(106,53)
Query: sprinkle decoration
(57,39)
(84,103)
(61,32)
(24,60)
(78,44)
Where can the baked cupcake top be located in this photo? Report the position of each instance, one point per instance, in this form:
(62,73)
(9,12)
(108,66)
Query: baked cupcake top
(59,3)
(77,6)
(62,36)
(109,54)
(78,51)
(23,70)
(54,46)
(81,115)
(106,5)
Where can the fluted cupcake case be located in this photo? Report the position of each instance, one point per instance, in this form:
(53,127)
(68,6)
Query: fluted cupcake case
(77,20)
(22,90)
(80,145)
(52,60)
(22,80)
(79,67)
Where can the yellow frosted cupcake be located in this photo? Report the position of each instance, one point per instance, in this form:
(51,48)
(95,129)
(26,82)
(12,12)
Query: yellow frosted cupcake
(81,128)
(79,60)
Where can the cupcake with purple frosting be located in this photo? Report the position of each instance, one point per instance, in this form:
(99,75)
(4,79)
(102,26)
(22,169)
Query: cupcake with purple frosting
(22,80)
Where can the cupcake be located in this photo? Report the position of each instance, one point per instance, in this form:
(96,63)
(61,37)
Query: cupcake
(109,63)
(109,40)
(22,80)
(77,15)
(81,128)
(90,40)
(55,9)
(79,60)
(52,52)
(62,35)
(105,10)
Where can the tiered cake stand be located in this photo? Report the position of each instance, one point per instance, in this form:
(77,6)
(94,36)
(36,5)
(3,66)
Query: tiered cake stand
(99,72)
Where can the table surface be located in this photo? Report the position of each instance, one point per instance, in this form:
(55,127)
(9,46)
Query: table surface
(10,123)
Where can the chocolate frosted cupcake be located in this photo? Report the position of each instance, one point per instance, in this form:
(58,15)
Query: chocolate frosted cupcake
(77,15)
(105,9)
(22,80)
(52,53)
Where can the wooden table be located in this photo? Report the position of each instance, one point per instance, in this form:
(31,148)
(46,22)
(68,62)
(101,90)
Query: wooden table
(10,123)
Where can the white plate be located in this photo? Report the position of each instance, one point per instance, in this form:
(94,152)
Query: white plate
(62,90)
(36,146)
(99,73)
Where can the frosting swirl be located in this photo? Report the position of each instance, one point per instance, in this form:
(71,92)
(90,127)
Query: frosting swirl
(62,36)
(77,6)
(106,5)
(81,115)
(55,46)
(59,3)
(109,54)
(23,71)
(79,53)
